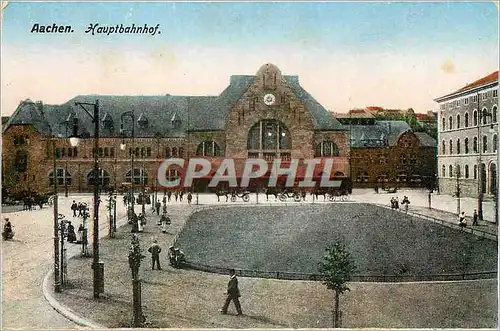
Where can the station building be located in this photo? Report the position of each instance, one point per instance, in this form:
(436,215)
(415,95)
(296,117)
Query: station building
(267,115)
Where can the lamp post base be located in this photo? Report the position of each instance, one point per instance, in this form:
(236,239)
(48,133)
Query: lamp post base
(98,278)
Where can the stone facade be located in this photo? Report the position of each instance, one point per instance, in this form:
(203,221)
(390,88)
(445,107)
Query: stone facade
(406,163)
(204,132)
(467,137)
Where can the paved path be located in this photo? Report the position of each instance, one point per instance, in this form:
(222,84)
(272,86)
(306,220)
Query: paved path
(27,259)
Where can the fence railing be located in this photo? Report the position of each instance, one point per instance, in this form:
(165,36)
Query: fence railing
(284,275)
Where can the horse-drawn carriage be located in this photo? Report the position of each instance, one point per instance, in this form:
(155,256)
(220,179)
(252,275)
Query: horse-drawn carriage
(232,194)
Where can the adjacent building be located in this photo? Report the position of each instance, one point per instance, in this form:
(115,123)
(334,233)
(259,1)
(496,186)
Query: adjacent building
(267,115)
(468,139)
(388,153)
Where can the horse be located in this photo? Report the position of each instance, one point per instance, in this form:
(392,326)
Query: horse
(272,191)
(222,193)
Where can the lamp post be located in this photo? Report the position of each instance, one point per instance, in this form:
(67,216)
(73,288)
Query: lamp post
(134,259)
(57,275)
(123,146)
(458,189)
(97,266)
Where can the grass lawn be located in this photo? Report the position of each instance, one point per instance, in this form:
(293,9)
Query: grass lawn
(293,239)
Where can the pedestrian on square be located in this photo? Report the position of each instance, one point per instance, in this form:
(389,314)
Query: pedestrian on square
(74,207)
(155,251)
(158,206)
(405,203)
(461,221)
(474,218)
(233,294)
(189,197)
(71,233)
(176,195)
(169,195)
(181,194)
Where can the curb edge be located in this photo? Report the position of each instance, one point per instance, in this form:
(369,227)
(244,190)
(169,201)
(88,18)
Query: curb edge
(63,310)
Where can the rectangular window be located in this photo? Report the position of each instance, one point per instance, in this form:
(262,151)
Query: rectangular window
(495,93)
(466,101)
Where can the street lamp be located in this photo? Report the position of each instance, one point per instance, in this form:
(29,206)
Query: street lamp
(97,266)
(123,147)
(57,279)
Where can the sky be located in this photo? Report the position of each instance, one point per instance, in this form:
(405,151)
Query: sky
(346,54)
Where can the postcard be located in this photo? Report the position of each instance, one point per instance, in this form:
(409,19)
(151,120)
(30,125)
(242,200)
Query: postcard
(250,165)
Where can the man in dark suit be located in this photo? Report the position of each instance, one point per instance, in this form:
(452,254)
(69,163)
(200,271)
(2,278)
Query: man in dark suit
(233,293)
(155,255)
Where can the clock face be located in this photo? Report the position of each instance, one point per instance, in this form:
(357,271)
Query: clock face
(269,99)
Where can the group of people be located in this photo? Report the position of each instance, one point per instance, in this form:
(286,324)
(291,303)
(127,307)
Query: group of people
(395,203)
(78,208)
(462,221)
(176,257)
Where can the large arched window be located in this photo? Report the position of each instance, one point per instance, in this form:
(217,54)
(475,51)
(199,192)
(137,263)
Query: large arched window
(495,143)
(443,171)
(208,148)
(458,146)
(443,147)
(62,175)
(103,178)
(140,177)
(269,135)
(466,120)
(451,146)
(458,121)
(466,171)
(444,123)
(475,171)
(450,171)
(494,114)
(466,145)
(474,145)
(493,178)
(485,144)
(475,117)
(326,148)
(450,124)
(485,116)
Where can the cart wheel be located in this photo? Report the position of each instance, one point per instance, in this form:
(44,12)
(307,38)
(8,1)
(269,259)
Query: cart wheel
(282,197)
(246,198)
(331,198)
(345,197)
(233,199)
(296,197)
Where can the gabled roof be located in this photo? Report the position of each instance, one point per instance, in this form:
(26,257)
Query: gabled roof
(493,77)
(31,113)
(323,119)
(382,133)
(425,139)
(489,79)
(154,114)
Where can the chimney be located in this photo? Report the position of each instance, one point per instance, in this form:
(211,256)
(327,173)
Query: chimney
(39,106)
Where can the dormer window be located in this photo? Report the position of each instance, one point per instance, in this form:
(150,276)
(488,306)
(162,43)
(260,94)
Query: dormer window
(142,121)
(176,121)
(107,122)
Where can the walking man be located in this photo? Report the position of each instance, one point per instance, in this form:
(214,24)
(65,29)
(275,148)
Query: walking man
(233,293)
(74,207)
(155,251)
(474,218)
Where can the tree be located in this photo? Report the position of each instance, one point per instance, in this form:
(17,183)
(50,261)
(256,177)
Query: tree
(336,270)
